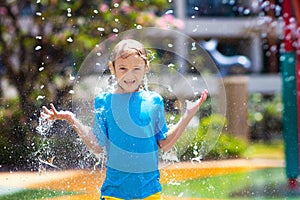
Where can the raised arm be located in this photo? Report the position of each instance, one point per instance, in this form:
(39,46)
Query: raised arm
(84,132)
(176,131)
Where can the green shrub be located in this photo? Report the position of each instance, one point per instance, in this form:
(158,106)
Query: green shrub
(15,146)
(265,116)
(209,141)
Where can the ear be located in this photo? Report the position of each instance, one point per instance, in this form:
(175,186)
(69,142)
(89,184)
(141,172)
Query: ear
(111,67)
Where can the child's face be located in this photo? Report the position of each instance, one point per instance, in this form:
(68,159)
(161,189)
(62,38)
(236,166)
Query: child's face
(129,73)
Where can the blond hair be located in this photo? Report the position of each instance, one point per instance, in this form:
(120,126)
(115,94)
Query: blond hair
(128,47)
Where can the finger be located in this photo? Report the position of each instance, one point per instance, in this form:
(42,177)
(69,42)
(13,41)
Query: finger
(46,110)
(203,96)
(44,115)
(53,109)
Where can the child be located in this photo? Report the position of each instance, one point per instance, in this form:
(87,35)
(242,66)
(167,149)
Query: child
(130,124)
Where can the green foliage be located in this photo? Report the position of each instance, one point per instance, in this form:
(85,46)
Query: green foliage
(15,144)
(210,141)
(265,116)
(271,149)
(47,49)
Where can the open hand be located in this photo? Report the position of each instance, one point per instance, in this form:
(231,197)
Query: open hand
(193,107)
(53,114)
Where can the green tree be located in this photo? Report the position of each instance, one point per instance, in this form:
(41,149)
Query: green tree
(42,44)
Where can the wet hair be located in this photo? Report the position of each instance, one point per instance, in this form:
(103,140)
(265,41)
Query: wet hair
(128,47)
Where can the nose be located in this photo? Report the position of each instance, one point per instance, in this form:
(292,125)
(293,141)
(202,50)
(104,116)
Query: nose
(129,74)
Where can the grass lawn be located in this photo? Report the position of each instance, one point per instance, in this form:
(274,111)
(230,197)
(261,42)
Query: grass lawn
(36,194)
(271,150)
(258,184)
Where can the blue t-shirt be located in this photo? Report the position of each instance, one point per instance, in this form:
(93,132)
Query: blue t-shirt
(129,125)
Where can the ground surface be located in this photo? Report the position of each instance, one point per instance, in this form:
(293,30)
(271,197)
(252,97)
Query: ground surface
(86,183)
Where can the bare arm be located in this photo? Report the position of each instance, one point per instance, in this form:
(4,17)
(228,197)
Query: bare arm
(176,131)
(84,132)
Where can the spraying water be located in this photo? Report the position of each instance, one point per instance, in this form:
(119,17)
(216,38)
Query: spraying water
(184,86)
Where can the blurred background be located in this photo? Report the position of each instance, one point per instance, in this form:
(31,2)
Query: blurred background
(44,42)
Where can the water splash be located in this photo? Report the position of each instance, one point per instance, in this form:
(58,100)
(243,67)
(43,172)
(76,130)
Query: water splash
(43,153)
(46,155)
(44,126)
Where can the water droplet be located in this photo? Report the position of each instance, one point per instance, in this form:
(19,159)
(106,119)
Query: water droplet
(96,11)
(247,11)
(277,9)
(195,29)
(273,48)
(69,10)
(290,78)
(115,30)
(139,27)
(38,48)
(181,194)
(282,58)
(168,12)
(170,45)
(116,5)
(71,92)
(40,97)
(72,78)
(38,37)
(171,65)
(290,60)
(70,39)
(38,13)
(41,69)
(100,29)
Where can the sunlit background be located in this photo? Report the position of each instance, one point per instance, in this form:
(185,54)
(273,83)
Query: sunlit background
(246,57)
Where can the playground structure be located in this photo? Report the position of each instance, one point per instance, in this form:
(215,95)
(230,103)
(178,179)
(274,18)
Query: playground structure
(290,68)
(290,72)
(226,64)
(236,90)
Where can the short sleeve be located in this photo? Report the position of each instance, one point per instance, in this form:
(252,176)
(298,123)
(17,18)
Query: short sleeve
(100,125)
(161,124)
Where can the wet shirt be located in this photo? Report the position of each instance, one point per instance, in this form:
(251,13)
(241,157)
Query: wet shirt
(129,125)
